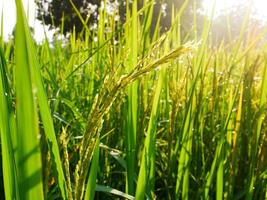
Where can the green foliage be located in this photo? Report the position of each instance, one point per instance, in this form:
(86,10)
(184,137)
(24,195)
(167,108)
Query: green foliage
(54,13)
(134,115)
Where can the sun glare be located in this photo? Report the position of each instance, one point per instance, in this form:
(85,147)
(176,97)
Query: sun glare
(259,7)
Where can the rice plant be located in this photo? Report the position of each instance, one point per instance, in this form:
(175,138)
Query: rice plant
(133,114)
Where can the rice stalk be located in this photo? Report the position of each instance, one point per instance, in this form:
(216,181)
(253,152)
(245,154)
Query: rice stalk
(101,106)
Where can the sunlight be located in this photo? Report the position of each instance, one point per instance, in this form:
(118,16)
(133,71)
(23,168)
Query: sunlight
(258,7)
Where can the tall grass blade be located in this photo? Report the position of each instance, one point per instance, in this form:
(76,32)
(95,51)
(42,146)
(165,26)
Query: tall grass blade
(145,177)
(29,163)
(132,111)
(28,66)
(257,136)
(91,183)
(7,130)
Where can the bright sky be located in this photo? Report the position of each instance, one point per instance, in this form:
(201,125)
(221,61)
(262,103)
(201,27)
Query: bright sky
(259,7)
(9,18)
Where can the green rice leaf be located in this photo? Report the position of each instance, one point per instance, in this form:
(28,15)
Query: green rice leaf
(91,183)
(7,130)
(28,66)
(28,161)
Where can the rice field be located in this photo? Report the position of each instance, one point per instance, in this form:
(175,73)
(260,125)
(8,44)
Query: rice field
(130,114)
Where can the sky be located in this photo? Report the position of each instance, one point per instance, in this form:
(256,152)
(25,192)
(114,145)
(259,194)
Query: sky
(9,19)
(259,7)
(9,14)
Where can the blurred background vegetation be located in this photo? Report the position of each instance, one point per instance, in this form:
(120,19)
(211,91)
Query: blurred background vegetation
(226,25)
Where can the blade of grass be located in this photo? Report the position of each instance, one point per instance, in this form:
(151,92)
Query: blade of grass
(7,129)
(107,189)
(27,58)
(91,183)
(29,155)
(145,178)
(132,102)
(254,151)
